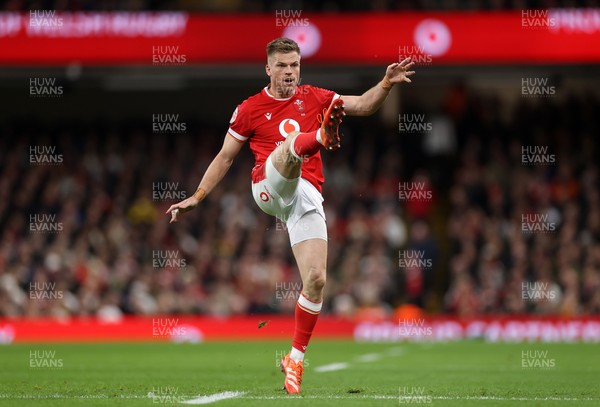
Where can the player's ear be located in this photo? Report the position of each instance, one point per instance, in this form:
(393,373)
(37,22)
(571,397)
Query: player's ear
(268,70)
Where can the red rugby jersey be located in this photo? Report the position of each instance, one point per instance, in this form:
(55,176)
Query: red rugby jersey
(265,122)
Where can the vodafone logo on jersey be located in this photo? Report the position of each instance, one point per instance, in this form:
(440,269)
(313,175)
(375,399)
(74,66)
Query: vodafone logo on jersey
(433,37)
(287,126)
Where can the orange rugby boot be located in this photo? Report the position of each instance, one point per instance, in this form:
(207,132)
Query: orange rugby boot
(293,374)
(330,123)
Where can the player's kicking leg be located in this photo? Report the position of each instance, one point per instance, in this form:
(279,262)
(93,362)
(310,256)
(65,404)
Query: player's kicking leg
(289,156)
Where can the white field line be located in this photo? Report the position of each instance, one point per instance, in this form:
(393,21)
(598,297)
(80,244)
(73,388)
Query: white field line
(551,398)
(366,358)
(69,397)
(396,351)
(244,395)
(369,357)
(215,397)
(331,367)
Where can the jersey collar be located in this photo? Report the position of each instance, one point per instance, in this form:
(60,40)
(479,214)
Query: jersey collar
(273,97)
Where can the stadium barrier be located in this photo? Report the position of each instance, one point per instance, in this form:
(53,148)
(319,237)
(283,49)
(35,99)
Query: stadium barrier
(197,329)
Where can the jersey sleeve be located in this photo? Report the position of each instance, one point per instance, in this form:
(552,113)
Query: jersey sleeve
(240,126)
(325,96)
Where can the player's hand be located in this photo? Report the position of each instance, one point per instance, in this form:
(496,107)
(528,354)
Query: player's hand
(182,207)
(399,71)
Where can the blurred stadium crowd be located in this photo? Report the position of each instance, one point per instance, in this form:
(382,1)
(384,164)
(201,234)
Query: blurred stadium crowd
(305,5)
(86,234)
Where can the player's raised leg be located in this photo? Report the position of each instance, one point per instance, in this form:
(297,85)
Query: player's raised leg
(289,156)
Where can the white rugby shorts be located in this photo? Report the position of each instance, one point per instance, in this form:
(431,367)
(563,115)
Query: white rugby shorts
(296,202)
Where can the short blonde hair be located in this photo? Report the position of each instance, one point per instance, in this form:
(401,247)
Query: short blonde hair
(282,45)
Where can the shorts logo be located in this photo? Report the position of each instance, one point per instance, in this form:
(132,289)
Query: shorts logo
(264,197)
(287,126)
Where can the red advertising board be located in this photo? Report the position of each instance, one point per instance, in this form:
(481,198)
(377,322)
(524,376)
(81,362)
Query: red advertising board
(198,329)
(44,37)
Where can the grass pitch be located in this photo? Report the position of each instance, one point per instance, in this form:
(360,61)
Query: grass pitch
(337,373)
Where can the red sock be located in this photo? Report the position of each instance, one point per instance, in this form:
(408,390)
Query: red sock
(305,144)
(307,313)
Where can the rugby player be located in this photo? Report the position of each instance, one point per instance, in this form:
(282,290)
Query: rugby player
(286,125)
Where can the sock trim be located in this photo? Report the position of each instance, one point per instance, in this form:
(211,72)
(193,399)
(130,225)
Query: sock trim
(308,311)
(312,302)
(293,149)
(318,136)
(307,305)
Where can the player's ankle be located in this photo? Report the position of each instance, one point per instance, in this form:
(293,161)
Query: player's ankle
(296,355)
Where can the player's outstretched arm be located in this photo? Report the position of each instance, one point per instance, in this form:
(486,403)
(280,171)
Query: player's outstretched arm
(368,103)
(213,175)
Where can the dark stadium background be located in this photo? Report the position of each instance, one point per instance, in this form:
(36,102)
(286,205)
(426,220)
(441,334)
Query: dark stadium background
(229,259)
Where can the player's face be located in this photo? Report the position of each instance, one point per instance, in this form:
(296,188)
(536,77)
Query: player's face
(284,70)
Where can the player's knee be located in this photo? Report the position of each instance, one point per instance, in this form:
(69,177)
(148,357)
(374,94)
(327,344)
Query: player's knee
(317,277)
